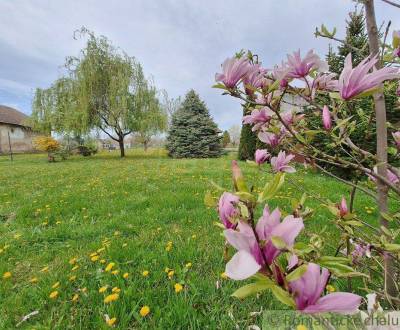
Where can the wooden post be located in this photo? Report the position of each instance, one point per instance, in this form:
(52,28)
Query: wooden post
(9,145)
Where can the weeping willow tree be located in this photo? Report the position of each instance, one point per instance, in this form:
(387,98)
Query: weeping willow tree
(150,117)
(105,90)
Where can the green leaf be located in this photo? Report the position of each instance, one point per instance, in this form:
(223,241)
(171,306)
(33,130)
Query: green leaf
(283,296)
(297,273)
(334,95)
(392,247)
(387,216)
(245,196)
(219,85)
(251,289)
(338,266)
(278,242)
(272,187)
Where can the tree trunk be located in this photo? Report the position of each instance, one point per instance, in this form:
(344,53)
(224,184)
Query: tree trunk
(145,145)
(381,140)
(121,146)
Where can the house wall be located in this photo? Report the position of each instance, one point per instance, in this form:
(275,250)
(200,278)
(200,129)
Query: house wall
(21,139)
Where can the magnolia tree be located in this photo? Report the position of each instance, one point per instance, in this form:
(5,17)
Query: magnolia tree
(299,273)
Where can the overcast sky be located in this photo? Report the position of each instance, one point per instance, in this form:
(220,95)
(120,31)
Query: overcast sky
(180,43)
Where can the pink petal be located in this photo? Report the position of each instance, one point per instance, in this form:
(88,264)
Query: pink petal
(242,266)
(337,302)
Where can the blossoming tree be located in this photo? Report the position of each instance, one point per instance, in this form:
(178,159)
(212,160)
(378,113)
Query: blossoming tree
(266,250)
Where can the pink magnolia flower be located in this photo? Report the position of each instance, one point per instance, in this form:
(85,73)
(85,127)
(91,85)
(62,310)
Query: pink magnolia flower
(280,163)
(354,81)
(326,118)
(396,137)
(255,78)
(227,209)
(392,177)
(281,73)
(343,210)
(324,82)
(397,52)
(360,250)
(269,138)
(300,68)
(261,156)
(250,256)
(308,289)
(258,118)
(233,70)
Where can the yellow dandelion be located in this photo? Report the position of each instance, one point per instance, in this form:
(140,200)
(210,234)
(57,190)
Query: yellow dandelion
(72,261)
(125,276)
(144,311)
(93,254)
(7,275)
(194,236)
(103,289)
(95,258)
(301,327)
(178,287)
(188,265)
(44,269)
(33,280)
(171,273)
(84,290)
(72,278)
(75,268)
(55,285)
(110,266)
(101,250)
(103,261)
(167,269)
(75,297)
(224,276)
(145,273)
(53,294)
(111,321)
(116,289)
(330,288)
(115,272)
(111,298)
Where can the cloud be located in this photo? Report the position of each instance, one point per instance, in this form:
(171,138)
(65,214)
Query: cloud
(181,43)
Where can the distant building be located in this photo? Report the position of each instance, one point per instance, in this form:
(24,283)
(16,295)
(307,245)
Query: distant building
(14,131)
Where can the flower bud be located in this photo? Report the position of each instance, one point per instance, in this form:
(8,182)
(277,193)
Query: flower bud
(326,118)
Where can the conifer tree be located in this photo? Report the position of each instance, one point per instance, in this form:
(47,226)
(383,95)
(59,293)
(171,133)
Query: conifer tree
(193,133)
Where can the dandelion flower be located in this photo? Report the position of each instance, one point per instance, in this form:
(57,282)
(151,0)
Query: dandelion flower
(72,278)
(125,276)
(224,276)
(330,288)
(72,261)
(110,266)
(33,280)
(115,272)
(102,261)
(111,298)
(103,289)
(75,297)
(171,273)
(53,294)
(145,273)
(95,258)
(144,311)
(178,287)
(116,290)
(44,269)
(6,275)
(55,285)
(75,268)
(188,265)
(111,321)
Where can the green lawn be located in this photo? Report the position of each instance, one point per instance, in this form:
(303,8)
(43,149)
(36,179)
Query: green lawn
(54,212)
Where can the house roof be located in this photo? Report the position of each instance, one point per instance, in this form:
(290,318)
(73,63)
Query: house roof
(12,116)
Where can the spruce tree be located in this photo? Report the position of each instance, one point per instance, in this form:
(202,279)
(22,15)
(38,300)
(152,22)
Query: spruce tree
(193,133)
(248,141)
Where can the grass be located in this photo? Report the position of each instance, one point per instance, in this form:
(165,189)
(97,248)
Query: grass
(134,208)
